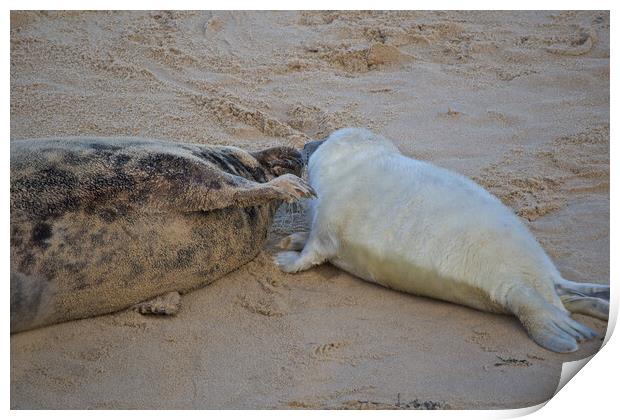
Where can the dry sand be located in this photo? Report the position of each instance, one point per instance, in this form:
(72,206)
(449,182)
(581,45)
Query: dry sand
(517,101)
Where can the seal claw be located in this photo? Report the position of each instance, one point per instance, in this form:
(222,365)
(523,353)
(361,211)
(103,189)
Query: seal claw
(292,188)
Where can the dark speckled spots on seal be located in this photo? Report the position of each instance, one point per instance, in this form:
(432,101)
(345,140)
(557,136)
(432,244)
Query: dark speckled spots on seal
(214,185)
(49,192)
(103,189)
(185,257)
(81,282)
(231,164)
(252,213)
(16,236)
(121,159)
(41,232)
(50,177)
(74,159)
(156,163)
(252,172)
(97,238)
(105,185)
(218,159)
(137,269)
(67,204)
(26,263)
(107,154)
(73,272)
(109,214)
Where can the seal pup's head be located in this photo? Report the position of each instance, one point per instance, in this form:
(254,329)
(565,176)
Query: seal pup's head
(346,143)
(309,149)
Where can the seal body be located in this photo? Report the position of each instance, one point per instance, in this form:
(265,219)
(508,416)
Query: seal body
(100,224)
(418,228)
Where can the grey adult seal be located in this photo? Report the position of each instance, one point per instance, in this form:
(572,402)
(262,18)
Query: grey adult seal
(101,224)
(415,227)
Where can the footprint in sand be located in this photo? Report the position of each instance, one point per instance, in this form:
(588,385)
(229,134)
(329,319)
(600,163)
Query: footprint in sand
(326,351)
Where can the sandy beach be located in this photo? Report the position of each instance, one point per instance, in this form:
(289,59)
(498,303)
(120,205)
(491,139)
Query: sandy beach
(517,101)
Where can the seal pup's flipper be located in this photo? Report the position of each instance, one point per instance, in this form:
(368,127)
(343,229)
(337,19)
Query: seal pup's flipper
(315,252)
(549,326)
(587,305)
(294,262)
(166,304)
(568,288)
(294,242)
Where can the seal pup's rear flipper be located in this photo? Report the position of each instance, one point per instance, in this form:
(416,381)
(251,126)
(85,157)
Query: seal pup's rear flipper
(549,326)
(587,305)
(568,288)
(315,252)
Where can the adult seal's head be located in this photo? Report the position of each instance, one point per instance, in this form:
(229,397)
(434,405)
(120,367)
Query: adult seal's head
(281,160)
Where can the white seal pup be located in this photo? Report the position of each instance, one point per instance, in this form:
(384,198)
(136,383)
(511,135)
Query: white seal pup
(418,228)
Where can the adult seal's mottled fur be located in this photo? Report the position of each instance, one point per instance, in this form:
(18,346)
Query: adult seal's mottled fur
(99,224)
(412,226)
